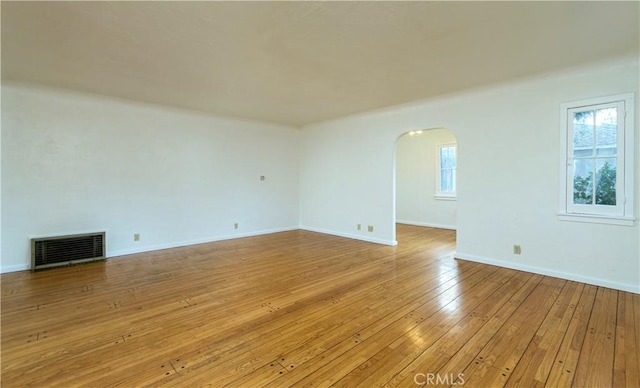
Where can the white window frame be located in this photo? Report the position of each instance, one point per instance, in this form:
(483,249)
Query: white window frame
(622,213)
(445,195)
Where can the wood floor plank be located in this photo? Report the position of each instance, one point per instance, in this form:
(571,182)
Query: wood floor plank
(305,309)
(563,370)
(312,325)
(507,346)
(626,370)
(436,355)
(359,347)
(387,363)
(535,364)
(595,364)
(458,349)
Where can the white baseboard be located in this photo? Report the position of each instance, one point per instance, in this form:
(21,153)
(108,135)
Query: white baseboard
(427,224)
(635,288)
(129,251)
(14,268)
(122,252)
(348,235)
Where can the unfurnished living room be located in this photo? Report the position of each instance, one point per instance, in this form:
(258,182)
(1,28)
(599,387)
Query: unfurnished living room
(280,194)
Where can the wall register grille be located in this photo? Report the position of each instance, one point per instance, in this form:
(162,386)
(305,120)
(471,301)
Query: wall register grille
(58,251)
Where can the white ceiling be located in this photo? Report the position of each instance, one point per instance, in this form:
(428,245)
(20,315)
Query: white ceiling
(301,62)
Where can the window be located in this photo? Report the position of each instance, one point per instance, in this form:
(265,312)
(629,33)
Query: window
(597,160)
(446,172)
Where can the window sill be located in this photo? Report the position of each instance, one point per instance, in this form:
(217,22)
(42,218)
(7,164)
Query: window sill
(446,197)
(597,219)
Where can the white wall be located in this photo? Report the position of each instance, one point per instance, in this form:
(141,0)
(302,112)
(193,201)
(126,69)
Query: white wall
(73,163)
(416,171)
(508,166)
(0,186)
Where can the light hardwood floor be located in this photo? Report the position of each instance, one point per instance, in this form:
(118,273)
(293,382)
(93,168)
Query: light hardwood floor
(305,309)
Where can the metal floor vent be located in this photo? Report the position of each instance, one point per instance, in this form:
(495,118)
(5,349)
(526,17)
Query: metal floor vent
(65,250)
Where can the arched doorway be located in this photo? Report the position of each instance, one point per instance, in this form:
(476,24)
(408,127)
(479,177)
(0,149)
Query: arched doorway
(425,179)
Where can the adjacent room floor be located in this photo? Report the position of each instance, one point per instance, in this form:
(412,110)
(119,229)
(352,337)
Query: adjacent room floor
(302,308)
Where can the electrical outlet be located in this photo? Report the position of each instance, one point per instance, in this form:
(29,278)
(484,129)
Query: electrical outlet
(370,228)
(136,237)
(261,177)
(235,226)
(359,227)
(517,250)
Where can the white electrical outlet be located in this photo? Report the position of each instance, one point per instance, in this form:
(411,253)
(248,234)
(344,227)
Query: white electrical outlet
(359,227)
(136,237)
(370,228)
(235,226)
(517,250)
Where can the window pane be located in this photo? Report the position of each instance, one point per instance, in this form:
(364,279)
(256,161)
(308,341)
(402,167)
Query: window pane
(606,116)
(583,132)
(583,181)
(447,157)
(606,131)
(453,157)
(606,181)
(446,181)
(584,117)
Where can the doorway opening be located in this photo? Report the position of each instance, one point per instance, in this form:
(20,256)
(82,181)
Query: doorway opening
(426,179)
